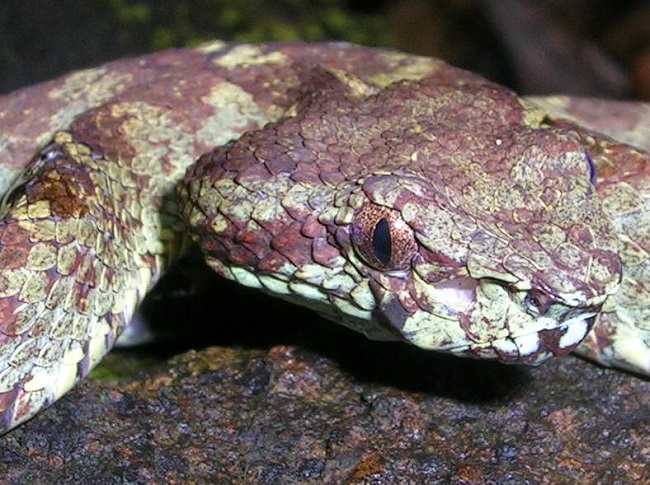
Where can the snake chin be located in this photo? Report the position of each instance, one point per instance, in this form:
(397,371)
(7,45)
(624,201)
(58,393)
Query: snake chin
(490,319)
(536,347)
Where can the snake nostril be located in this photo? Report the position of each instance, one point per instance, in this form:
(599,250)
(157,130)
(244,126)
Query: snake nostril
(15,193)
(538,302)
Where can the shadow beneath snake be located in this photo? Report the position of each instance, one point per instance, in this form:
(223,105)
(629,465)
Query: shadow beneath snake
(192,308)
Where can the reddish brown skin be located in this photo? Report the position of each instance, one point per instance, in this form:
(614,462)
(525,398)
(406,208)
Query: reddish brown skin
(154,75)
(333,157)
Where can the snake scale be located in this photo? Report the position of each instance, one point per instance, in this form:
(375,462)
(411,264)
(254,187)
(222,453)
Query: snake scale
(402,197)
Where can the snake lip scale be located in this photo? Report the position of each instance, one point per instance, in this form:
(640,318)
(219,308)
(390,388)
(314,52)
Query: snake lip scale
(394,194)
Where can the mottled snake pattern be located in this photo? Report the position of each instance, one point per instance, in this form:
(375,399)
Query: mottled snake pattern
(397,195)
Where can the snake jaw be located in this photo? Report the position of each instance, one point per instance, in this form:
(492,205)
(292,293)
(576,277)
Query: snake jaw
(481,319)
(535,347)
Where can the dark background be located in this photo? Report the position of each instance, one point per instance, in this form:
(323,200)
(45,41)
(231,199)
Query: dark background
(591,47)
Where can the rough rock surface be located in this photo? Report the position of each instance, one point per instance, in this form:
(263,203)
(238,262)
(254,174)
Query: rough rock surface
(280,396)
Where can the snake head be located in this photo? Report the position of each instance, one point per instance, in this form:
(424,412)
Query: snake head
(447,216)
(490,241)
(447,280)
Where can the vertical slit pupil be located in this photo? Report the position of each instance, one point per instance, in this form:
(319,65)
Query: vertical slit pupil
(592,169)
(381,241)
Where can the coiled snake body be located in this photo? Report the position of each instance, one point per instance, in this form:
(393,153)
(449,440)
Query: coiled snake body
(400,196)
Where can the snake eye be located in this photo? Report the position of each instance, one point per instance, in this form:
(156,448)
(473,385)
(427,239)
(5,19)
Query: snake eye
(382,239)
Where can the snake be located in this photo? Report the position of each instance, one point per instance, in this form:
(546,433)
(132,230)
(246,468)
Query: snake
(397,195)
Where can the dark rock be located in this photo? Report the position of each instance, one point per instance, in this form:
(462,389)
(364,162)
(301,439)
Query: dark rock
(343,411)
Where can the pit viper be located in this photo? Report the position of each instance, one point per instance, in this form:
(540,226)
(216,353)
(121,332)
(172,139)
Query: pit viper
(397,195)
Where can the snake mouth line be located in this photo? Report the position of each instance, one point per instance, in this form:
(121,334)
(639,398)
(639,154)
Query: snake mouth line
(535,346)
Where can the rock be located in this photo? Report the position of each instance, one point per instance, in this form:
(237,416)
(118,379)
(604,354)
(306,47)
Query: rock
(304,401)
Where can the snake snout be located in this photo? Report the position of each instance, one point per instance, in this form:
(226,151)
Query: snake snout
(487,318)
